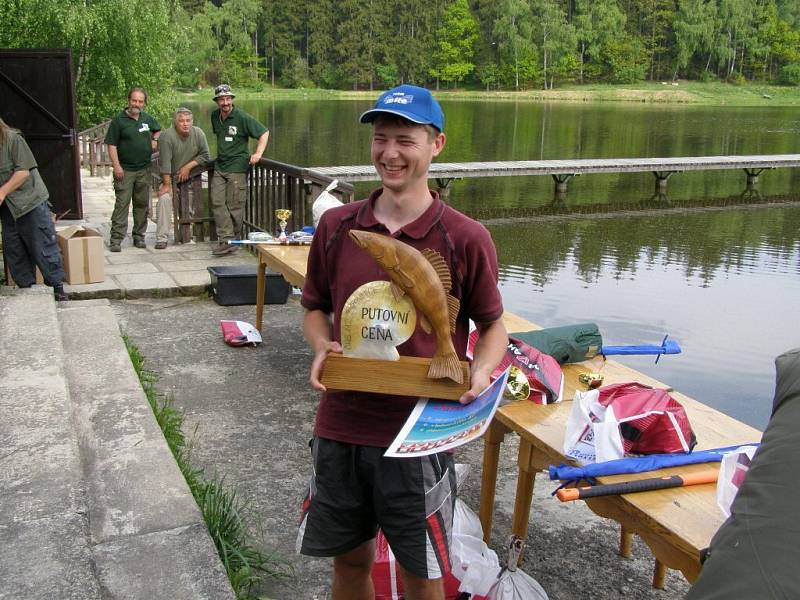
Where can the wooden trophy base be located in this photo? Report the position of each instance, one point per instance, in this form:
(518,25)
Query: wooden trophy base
(405,377)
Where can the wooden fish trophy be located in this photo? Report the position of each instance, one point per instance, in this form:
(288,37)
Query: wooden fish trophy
(424,278)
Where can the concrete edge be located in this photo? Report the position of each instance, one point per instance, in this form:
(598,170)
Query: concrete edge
(137,496)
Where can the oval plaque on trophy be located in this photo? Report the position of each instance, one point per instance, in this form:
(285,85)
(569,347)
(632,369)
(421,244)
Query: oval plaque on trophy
(374,322)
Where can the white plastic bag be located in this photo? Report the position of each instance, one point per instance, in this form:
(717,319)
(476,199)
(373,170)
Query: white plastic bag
(514,584)
(465,521)
(475,565)
(325,201)
(732,469)
(592,430)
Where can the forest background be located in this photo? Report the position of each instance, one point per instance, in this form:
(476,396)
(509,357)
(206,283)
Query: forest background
(168,45)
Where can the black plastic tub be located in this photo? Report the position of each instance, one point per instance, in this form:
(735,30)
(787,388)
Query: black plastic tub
(236,284)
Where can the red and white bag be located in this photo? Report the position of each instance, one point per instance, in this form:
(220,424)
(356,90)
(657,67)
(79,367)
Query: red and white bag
(386,574)
(626,418)
(545,378)
(239,333)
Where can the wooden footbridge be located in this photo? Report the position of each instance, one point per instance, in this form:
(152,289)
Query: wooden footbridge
(563,170)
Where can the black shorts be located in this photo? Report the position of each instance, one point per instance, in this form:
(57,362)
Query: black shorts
(354,489)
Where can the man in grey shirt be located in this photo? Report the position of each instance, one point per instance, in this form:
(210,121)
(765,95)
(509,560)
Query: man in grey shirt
(181,148)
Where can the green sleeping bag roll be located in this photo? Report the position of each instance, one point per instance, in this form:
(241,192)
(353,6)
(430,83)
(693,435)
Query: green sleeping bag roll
(567,344)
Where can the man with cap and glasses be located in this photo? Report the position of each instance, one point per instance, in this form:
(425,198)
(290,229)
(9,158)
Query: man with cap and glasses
(354,488)
(181,148)
(233,128)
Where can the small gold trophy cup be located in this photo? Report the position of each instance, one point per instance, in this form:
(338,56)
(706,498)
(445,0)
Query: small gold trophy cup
(282,214)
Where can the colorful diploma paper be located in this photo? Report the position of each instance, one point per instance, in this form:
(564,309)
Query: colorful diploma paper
(439,425)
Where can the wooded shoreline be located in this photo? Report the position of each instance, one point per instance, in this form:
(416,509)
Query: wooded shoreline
(681,92)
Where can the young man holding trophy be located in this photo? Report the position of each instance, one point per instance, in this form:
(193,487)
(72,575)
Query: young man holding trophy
(354,488)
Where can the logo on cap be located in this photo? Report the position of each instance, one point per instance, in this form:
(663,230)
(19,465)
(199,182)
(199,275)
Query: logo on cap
(399,98)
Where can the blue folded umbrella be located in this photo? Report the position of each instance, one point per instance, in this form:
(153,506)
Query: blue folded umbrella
(638,464)
(666,347)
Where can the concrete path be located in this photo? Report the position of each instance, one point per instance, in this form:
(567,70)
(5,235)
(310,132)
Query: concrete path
(178,270)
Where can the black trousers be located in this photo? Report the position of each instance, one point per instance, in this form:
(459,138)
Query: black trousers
(30,242)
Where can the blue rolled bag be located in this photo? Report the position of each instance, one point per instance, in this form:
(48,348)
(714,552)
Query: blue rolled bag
(756,552)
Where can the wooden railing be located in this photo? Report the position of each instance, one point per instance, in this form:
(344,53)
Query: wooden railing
(271,185)
(93,151)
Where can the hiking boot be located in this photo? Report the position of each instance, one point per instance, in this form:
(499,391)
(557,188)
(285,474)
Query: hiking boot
(115,247)
(222,248)
(139,243)
(160,245)
(59,293)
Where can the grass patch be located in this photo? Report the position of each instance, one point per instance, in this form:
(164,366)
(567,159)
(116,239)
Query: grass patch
(224,512)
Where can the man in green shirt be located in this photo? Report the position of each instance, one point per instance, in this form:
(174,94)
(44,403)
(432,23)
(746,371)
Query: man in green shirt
(29,239)
(181,148)
(131,141)
(233,128)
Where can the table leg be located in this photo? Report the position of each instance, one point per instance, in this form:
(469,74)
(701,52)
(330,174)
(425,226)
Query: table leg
(524,494)
(659,575)
(492,439)
(260,282)
(625,542)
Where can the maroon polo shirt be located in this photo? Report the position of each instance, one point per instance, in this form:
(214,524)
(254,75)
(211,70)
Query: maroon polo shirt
(337,267)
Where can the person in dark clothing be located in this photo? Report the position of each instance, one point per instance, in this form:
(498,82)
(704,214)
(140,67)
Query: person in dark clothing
(755,553)
(29,238)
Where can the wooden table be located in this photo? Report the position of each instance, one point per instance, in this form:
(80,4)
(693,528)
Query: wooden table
(675,523)
(289,261)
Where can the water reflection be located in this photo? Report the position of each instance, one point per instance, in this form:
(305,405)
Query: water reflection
(724,283)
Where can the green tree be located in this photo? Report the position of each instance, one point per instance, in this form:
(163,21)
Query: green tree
(626,59)
(322,36)
(195,49)
(234,27)
(657,42)
(513,31)
(487,70)
(556,40)
(457,36)
(359,47)
(695,25)
(734,22)
(784,47)
(412,38)
(596,24)
(115,45)
(281,24)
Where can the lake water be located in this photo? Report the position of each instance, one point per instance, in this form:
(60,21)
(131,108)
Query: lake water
(713,264)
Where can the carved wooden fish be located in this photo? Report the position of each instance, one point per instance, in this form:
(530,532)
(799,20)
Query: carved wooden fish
(425,277)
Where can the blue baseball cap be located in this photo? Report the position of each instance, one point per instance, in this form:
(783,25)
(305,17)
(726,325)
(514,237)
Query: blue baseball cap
(410,102)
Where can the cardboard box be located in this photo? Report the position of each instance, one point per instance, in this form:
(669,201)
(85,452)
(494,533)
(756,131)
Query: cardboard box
(82,251)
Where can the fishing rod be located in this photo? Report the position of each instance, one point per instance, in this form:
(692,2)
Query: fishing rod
(637,485)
